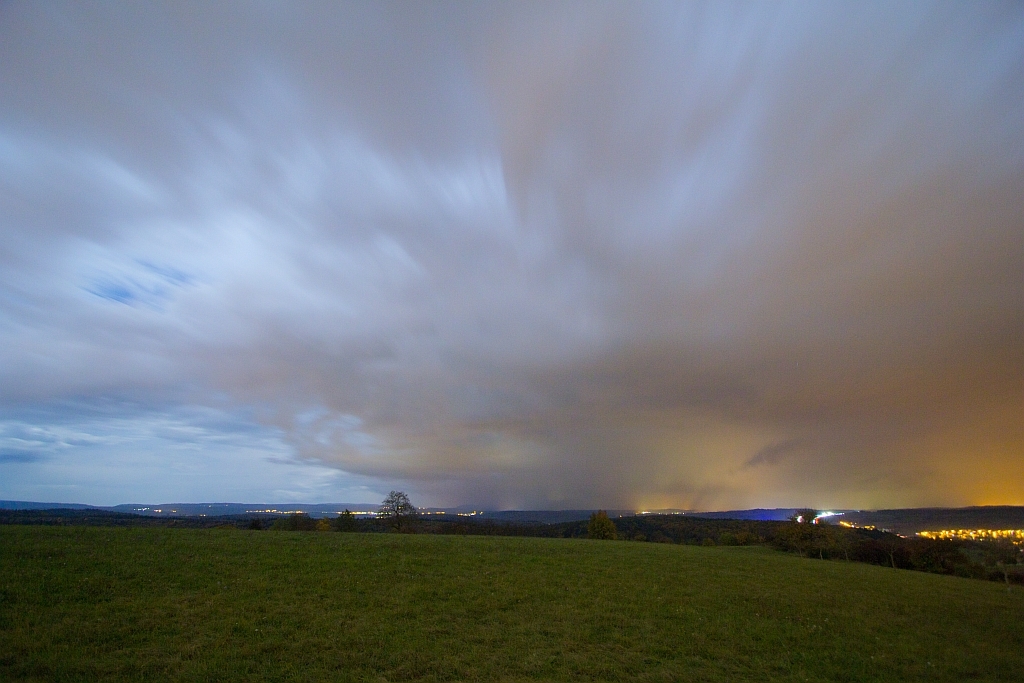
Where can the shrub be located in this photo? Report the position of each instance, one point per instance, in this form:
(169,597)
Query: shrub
(295,522)
(747,538)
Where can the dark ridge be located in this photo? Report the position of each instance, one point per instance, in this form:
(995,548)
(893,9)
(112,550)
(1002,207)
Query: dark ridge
(30,505)
(547,516)
(912,520)
(757,514)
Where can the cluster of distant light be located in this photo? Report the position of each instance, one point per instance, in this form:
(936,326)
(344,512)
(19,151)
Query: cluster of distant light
(1015,536)
(870,527)
(285,512)
(363,513)
(821,515)
(457,514)
(799,518)
(275,511)
(426,513)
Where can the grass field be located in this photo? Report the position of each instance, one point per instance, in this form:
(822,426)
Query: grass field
(206,605)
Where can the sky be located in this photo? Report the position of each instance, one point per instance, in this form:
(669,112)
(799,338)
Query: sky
(513,255)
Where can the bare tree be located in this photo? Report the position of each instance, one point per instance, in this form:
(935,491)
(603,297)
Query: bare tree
(396,509)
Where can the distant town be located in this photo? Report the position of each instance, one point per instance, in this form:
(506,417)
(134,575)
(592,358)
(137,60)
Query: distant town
(977,523)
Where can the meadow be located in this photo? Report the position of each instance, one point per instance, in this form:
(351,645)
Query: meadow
(130,604)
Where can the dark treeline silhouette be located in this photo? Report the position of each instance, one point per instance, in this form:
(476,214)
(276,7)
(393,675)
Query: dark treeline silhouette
(76,517)
(998,561)
(992,560)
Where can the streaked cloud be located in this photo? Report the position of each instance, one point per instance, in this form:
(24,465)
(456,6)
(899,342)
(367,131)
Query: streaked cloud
(551,255)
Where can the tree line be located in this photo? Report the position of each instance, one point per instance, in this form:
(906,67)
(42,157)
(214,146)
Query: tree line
(997,561)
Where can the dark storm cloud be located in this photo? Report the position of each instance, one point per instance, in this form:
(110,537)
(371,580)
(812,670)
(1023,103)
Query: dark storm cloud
(694,255)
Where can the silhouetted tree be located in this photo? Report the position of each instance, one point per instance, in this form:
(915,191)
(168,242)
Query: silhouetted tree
(396,509)
(844,542)
(824,540)
(601,527)
(798,537)
(892,544)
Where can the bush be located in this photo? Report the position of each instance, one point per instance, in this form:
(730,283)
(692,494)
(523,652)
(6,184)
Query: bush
(659,537)
(747,538)
(296,522)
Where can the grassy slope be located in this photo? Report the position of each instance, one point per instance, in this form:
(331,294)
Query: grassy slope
(127,604)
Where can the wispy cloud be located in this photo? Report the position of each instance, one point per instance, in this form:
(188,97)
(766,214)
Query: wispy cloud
(11,455)
(687,255)
(775,453)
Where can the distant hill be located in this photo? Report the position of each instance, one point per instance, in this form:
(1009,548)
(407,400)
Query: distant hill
(757,514)
(99,517)
(29,505)
(910,521)
(220,509)
(198,509)
(904,521)
(548,516)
